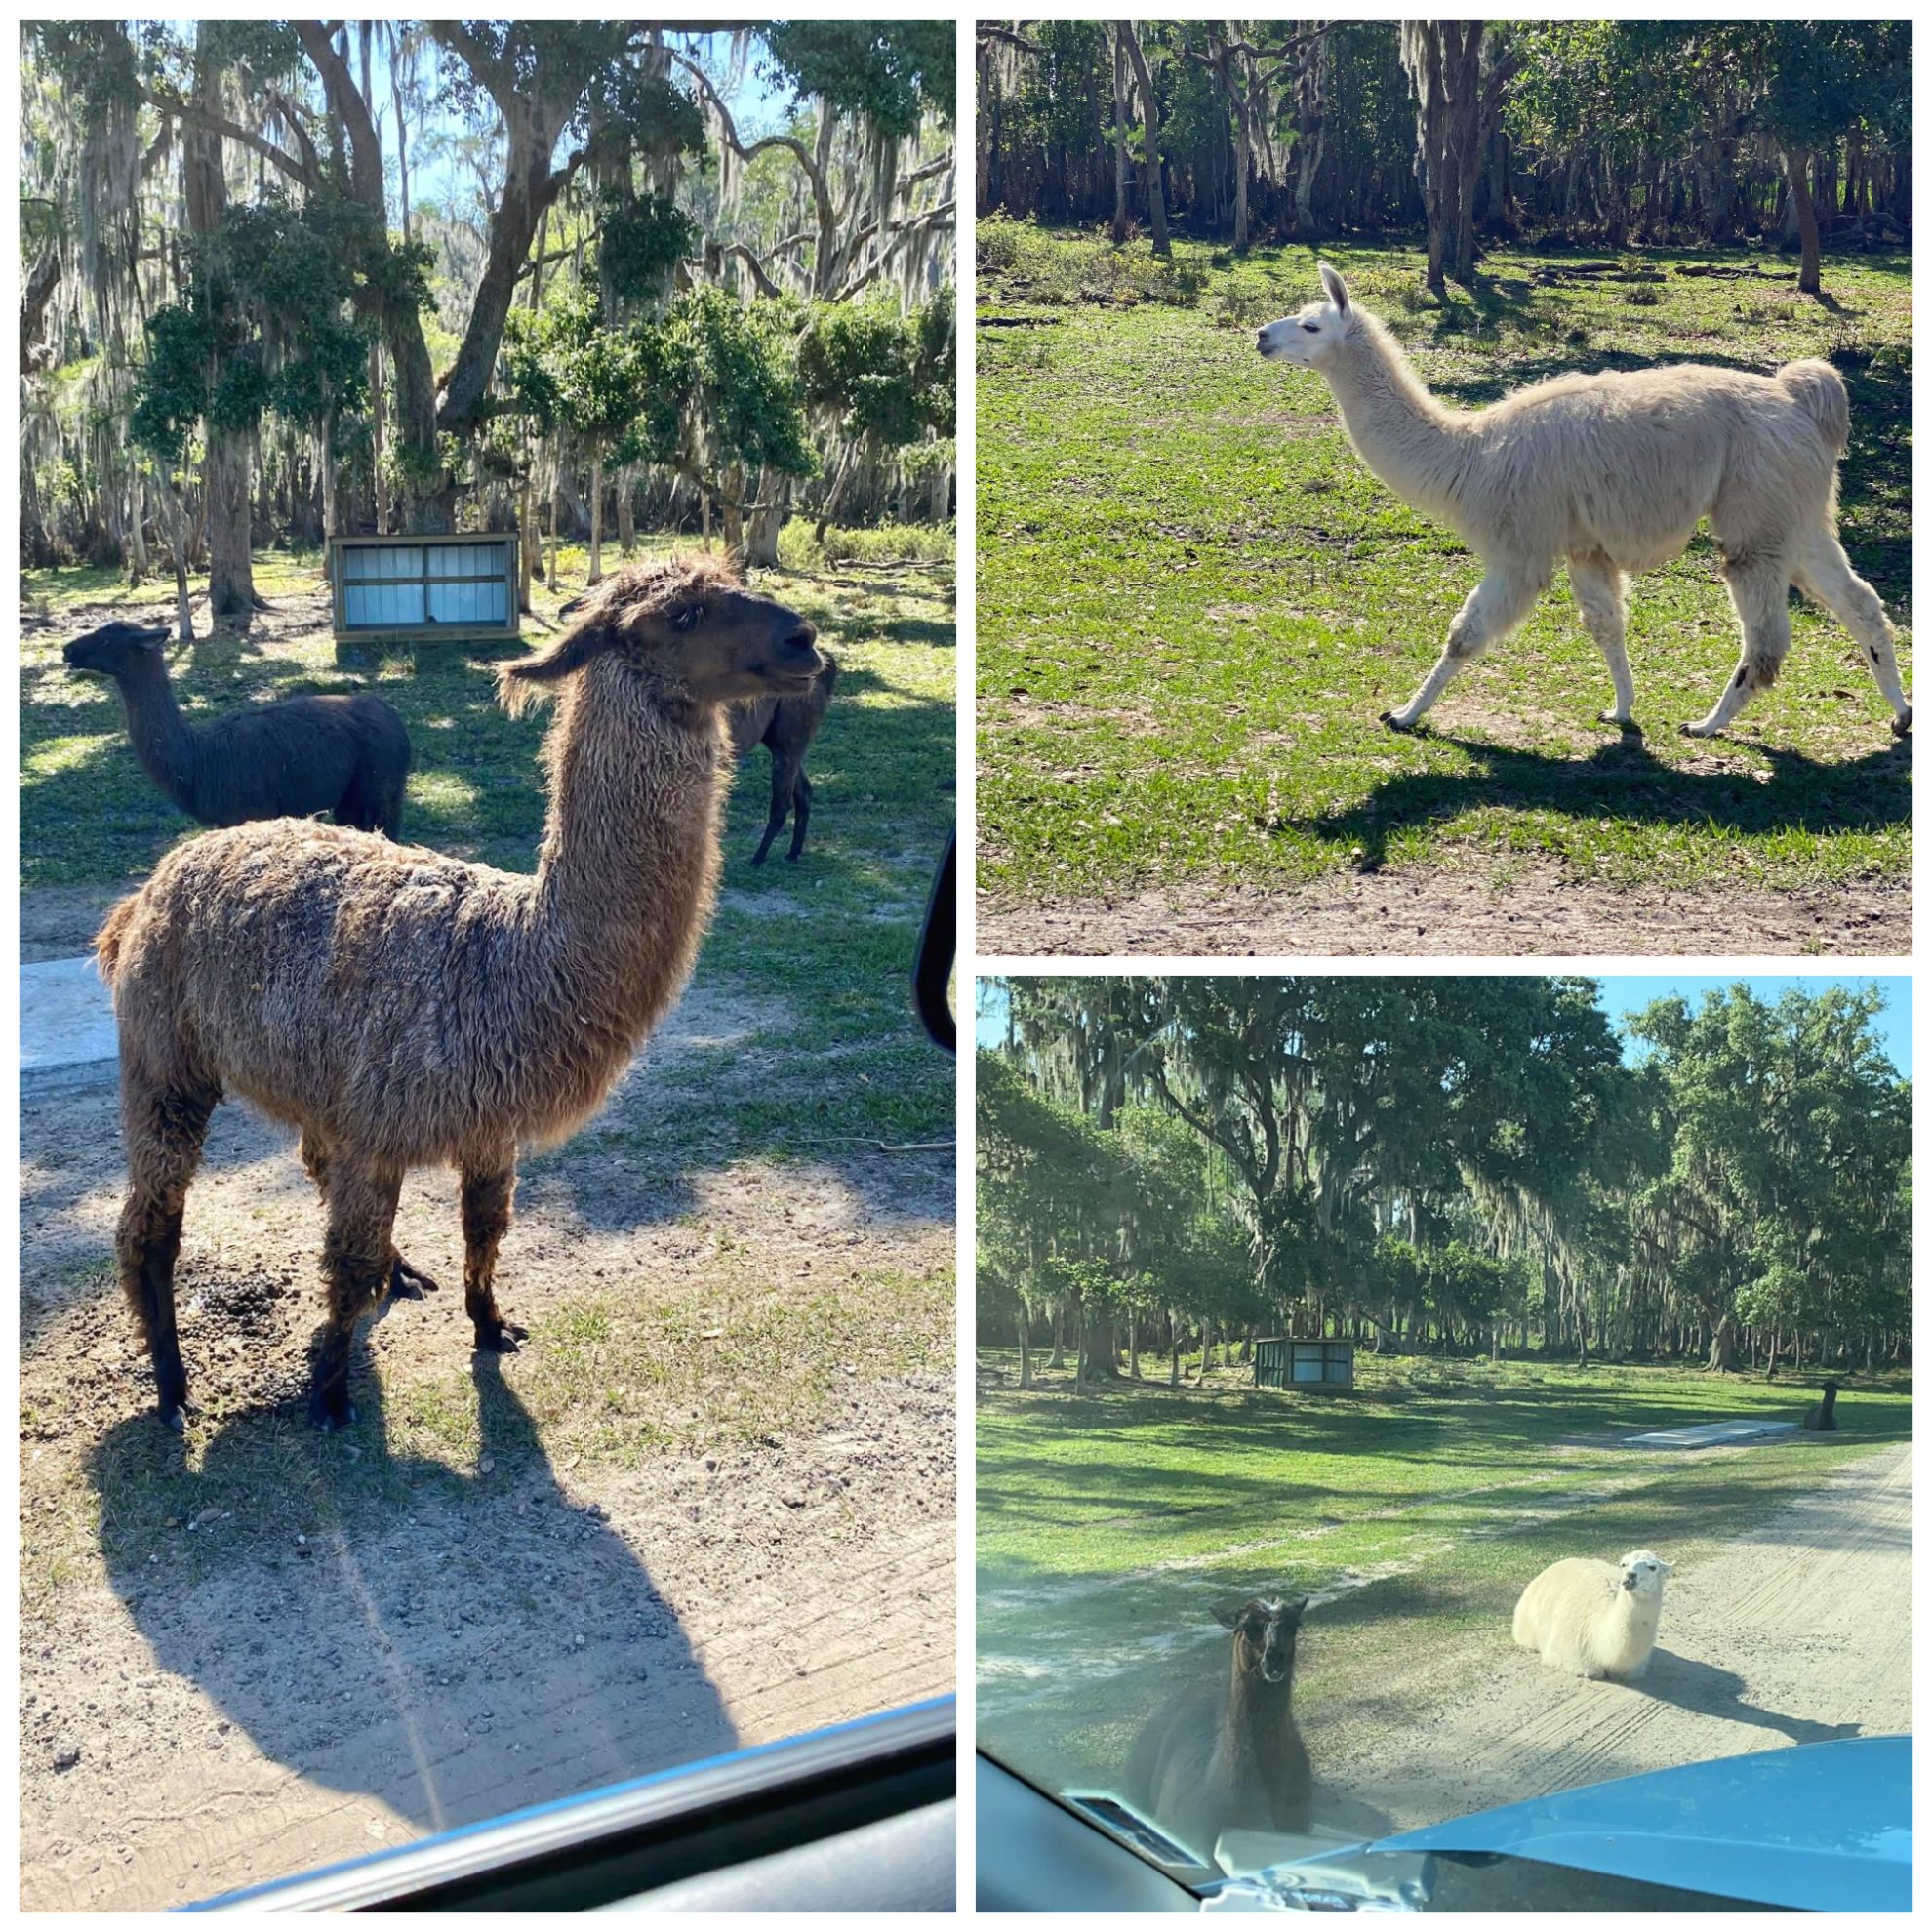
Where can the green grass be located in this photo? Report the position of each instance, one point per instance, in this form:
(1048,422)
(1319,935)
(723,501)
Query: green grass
(1195,601)
(1108,1526)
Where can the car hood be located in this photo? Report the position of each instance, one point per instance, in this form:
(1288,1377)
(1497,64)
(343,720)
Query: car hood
(1821,1827)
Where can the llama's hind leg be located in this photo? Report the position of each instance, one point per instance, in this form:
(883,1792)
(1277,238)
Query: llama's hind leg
(1490,611)
(801,813)
(407,1283)
(164,1128)
(784,771)
(487,1197)
(1824,575)
(356,1259)
(1599,587)
(1760,591)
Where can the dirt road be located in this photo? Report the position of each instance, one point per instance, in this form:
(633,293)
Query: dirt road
(711,1504)
(1798,1631)
(1541,911)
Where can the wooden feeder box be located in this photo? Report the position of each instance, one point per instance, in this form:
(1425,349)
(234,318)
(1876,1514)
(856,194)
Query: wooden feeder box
(455,589)
(1282,1362)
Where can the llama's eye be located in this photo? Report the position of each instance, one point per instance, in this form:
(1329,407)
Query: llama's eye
(689,618)
(1311,328)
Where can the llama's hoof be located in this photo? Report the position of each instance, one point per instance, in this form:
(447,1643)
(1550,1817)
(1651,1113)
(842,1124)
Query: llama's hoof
(1393,722)
(409,1284)
(1902,727)
(175,1419)
(1697,730)
(1628,725)
(330,1412)
(503,1339)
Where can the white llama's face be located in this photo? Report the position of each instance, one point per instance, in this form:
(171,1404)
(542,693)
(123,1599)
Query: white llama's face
(1644,1572)
(1312,336)
(1308,338)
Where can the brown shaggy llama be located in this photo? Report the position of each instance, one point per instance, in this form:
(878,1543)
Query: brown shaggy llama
(407,1010)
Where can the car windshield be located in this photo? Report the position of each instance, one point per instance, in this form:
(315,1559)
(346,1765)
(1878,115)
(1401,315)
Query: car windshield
(1403,1398)
(486,678)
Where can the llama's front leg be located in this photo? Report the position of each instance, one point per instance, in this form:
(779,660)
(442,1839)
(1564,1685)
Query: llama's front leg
(356,1259)
(1760,591)
(1490,611)
(1824,575)
(487,1197)
(165,1130)
(1599,587)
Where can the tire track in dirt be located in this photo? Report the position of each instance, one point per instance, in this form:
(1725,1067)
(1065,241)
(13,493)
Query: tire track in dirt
(1795,1631)
(1542,910)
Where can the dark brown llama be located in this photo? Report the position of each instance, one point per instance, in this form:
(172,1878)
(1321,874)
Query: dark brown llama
(787,727)
(342,754)
(406,1010)
(1823,1416)
(1213,1759)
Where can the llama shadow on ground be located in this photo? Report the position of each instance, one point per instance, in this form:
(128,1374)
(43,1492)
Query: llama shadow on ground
(1709,1691)
(1626,780)
(452,1646)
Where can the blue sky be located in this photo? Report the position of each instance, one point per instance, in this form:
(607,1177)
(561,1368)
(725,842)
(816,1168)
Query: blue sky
(757,108)
(1627,993)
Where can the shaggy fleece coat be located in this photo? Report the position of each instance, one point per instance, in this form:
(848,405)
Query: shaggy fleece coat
(1595,1618)
(1611,473)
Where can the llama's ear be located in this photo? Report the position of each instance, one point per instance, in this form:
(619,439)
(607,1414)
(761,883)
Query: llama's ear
(1336,288)
(1228,1620)
(525,682)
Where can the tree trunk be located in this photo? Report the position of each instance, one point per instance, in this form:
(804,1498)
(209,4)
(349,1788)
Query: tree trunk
(597,518)
(1723,1346)
(1025,1350)
(1797,171)
(529,539)
(556,491)
(1120,112)
(1150,129)
(627,512)
(225,477)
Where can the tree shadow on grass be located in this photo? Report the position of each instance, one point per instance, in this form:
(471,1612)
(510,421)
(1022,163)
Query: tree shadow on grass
(1627,781)
(1708,1691)
(452,1646)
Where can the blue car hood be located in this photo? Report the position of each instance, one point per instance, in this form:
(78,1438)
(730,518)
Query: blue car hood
(1820,1827)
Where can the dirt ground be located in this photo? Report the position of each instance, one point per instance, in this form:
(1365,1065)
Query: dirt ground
(1395,913)
(1796,1633)
(355,1640)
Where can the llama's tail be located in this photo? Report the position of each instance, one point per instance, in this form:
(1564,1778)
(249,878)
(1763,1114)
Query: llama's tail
(107,940)
(1822,390)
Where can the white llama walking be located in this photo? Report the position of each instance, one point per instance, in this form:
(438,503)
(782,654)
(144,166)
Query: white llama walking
(1611,473)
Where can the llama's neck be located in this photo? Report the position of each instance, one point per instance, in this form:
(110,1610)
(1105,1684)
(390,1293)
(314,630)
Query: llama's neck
(1254,1715)
(1406,437)
(628,870)
(162,738)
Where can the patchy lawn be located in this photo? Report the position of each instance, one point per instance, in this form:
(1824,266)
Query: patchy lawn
(1194,599)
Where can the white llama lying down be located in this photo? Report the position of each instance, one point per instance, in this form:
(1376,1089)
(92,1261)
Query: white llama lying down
(1592,1619)
(1611,473)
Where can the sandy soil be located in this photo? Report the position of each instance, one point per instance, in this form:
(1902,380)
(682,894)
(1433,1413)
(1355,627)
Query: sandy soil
(1396,913)
(1796,1633)
(246,1701)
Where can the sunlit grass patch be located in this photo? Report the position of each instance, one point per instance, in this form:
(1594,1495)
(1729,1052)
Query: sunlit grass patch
(1195,601)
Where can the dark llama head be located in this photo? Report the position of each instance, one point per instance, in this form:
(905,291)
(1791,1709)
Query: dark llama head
(1265,1632)
(109,651)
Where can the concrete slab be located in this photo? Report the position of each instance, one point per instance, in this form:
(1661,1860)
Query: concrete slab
(68,1035)
(1706,1435)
